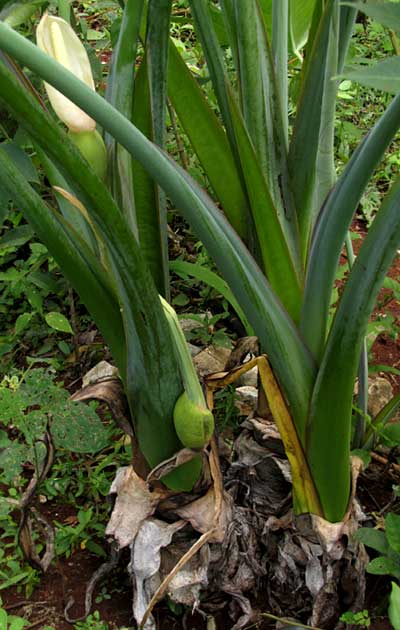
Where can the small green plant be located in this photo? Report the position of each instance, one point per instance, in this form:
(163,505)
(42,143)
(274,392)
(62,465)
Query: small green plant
(32,295)
(11,622)
(225,410)
(14,622)
(81,535)
(32,405)
(206,332)
(102,595)
(361,618)
(13,571)
(386,543)
(72,479)
(92,622)
(379,429)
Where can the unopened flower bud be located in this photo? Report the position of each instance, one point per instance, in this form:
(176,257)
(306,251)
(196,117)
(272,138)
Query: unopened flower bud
(57,38)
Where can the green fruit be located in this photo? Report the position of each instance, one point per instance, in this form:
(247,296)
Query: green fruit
(93,149)
(194,424)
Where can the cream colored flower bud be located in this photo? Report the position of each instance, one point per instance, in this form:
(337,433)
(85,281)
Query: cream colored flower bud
(56,38)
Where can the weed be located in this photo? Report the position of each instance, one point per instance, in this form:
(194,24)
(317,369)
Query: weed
(86,457)
(361,618)
(81,535)
(386,543)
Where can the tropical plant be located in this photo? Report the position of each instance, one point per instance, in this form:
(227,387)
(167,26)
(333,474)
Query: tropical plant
(278,242)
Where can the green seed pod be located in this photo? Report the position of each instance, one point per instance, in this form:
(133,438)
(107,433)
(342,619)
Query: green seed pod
(194,424)
(93,149)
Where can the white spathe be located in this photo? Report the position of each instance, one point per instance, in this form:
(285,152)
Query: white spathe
(57,38)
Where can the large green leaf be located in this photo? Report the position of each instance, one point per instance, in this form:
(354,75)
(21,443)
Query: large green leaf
(144,101)
(260,101)
(276,120)
(157,45)
(333,223)
(313,112)
(278,262)
(208,139)
(280,24)
(149,203)
(215,64)
(328,439)
(325,166)
(263,99)
(119,93)
(250,79)
(228,12)
(383,75)
(348,15)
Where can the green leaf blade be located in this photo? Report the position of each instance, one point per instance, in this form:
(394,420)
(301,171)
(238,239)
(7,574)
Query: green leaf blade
(208,139)
(314,111)
(384,566)
(331,403)
(383,75)
(334,222)
(276,255)
(119,93)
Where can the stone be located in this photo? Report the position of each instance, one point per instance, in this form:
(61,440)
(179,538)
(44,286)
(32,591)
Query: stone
(194,350)
(250,378)
(380,392)
(99,372)
(247,399)
(188,324)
